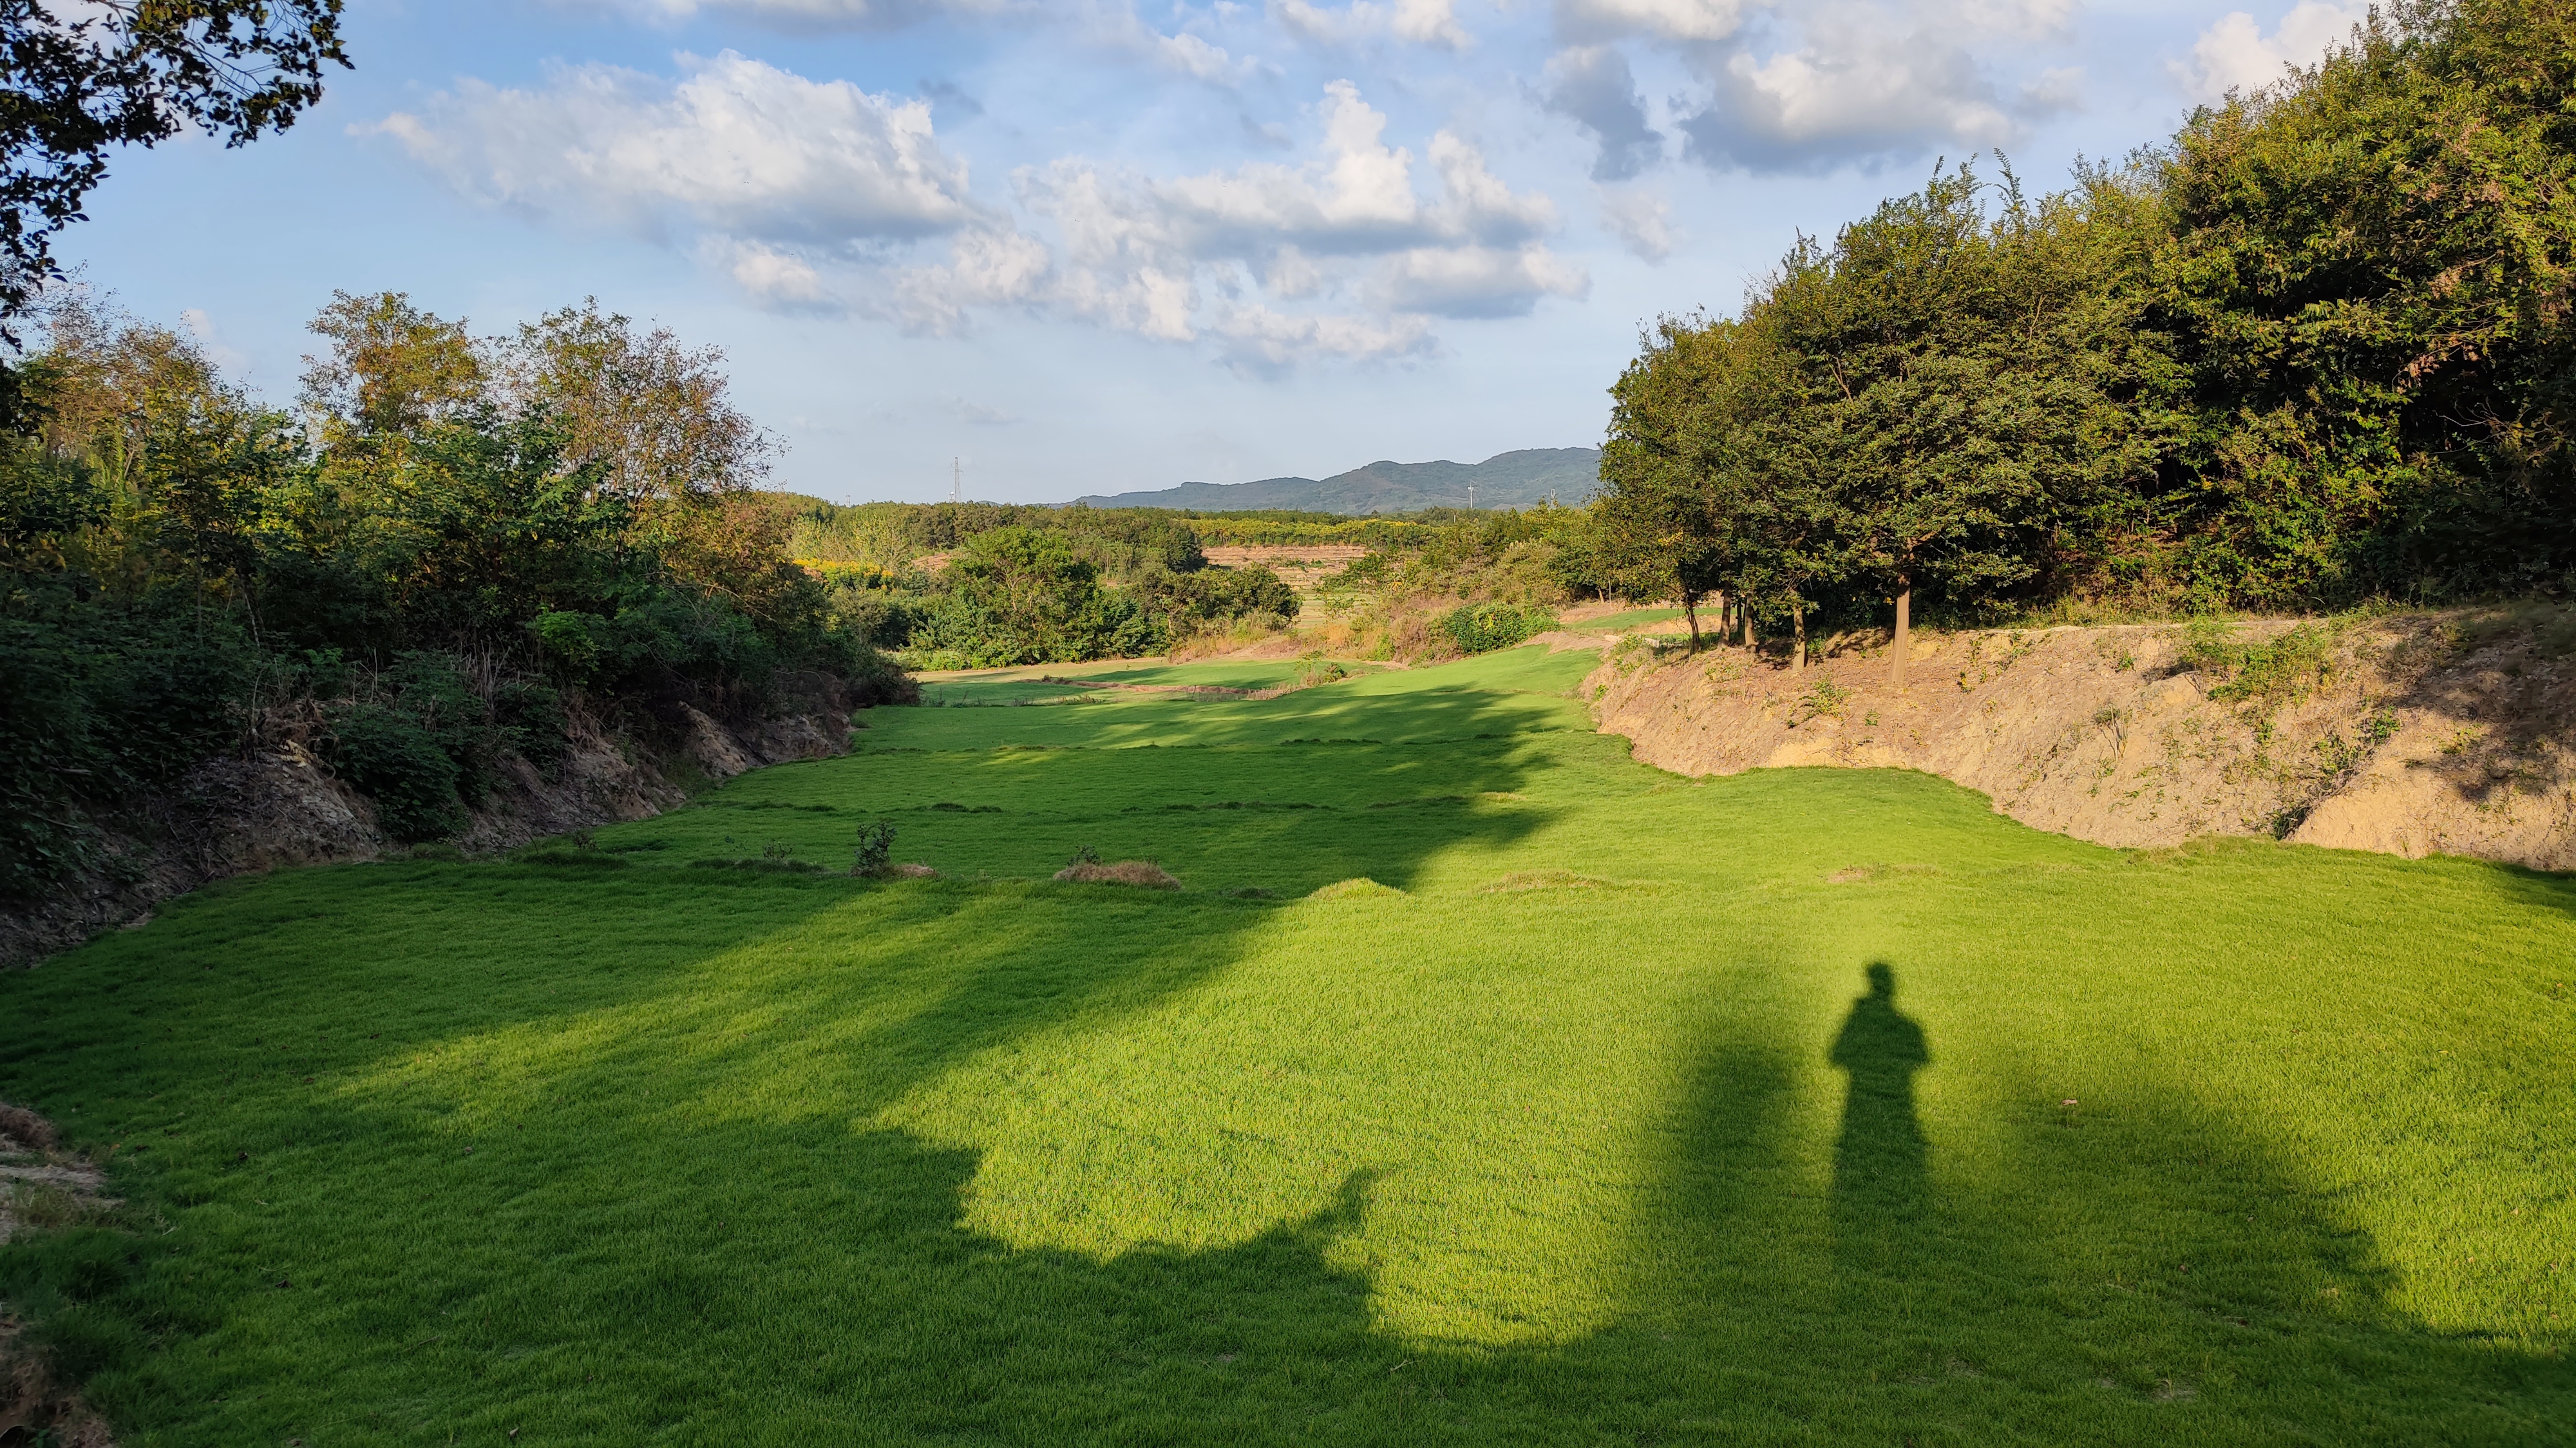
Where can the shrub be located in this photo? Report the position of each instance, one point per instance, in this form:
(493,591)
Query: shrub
(398,764)
(1479,628)
(875,848)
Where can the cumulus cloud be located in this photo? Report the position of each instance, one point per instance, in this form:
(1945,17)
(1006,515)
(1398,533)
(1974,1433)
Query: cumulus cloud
(808,196)
(1836,81)
(1689,20)
(810,15)
(1806,86)
(1420,22)
(735,148)
(2235,54)
(1348,233)
(1642,222)
(1592,85)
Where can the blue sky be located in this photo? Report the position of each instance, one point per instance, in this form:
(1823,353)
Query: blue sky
(1100,246)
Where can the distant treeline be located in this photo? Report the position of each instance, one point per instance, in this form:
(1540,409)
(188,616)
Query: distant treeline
(452,552)
(2317,349)
(1026,583)
(1119,540)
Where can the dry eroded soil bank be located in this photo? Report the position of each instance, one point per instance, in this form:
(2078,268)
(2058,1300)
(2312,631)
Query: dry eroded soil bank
(2414,734)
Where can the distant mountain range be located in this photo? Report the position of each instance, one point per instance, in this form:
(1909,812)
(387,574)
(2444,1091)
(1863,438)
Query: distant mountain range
(1520,479)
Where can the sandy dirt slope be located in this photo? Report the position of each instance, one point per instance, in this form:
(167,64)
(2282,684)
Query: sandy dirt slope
(2449,733)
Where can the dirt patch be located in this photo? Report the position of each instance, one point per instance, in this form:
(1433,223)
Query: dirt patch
(40,1185)
(23,1130)
(34,1407)
(2412,734)
(904,872)
(1144,874)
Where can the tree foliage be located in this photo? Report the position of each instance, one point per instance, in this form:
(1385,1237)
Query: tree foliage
(2316,349)
(86,76)
(427,563)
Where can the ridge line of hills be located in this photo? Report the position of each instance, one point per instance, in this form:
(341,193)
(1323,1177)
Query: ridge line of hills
(1523,478)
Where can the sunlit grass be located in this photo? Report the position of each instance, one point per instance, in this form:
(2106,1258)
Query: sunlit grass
(1599,1132)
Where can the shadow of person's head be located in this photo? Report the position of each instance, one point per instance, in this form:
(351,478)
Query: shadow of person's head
(1882,980)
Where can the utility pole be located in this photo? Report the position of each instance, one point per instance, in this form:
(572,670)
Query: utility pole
(956,480)
(1471,497)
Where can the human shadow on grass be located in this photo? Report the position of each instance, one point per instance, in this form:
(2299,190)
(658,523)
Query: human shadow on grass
(2105,1286)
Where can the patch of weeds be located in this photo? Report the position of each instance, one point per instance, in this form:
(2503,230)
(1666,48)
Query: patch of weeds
(2462,741)
(577,849)
(1630,653)
(2283,669)
(1980,669)
(436,850)
(948,807)
(1862,874)
(1823,700)
(2116,653)
(770,867)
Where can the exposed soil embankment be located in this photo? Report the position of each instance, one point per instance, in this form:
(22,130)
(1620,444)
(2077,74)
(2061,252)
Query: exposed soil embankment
(2416,734)
(280,805)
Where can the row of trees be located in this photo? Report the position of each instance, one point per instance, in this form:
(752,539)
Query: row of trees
(2314,350)
(448,544)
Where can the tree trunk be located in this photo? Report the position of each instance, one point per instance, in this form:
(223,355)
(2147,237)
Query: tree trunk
(1904,646)
(1744,615)
(1690,611)
(1798,635)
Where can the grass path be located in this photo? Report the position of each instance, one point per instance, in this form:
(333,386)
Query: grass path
(1648,1111)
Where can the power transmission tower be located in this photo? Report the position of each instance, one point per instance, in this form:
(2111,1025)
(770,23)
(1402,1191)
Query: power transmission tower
(956,480)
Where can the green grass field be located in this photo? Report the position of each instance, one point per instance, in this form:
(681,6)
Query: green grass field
(1804,1107)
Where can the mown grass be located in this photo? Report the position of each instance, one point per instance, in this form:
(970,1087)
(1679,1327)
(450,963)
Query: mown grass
(1800,1107)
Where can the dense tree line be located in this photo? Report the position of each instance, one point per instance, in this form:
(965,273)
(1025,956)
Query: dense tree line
(445,553)
(2312,351)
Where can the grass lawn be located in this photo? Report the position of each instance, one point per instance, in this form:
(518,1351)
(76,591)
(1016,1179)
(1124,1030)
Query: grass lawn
(1807,1107)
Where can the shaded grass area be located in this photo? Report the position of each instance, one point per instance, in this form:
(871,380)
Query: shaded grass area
(1627,1122)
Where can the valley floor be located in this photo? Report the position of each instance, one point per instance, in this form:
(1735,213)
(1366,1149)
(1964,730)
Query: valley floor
(1796,1106)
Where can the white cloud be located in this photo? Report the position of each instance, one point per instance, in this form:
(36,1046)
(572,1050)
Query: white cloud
(1145,254)
(808,196)
(810,15)
(1691,20)
(735,147)
(228,359)
(1473,281)
(2234,54)
(1347,237)
(1835,81)
(1592,86)
(1420,22)
(1642,222)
